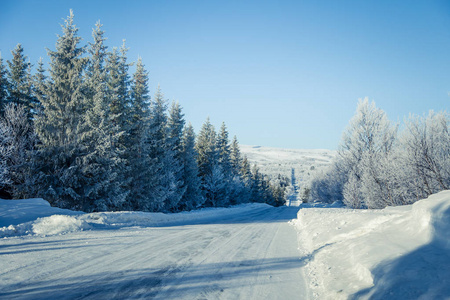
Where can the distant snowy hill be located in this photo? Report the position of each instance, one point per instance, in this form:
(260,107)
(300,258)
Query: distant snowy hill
(274,161)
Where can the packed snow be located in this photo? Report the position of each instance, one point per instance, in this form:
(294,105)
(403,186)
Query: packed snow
(394,253)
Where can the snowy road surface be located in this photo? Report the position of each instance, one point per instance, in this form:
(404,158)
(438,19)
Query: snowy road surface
(250,255)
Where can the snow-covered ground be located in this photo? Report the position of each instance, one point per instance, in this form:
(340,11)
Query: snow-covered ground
(249,251)
(36,216)
(393,253)
(274,161)
(244,252)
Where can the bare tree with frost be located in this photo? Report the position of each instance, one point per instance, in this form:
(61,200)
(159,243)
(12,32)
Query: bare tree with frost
(425,145)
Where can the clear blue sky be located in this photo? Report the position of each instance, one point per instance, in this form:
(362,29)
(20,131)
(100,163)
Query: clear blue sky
(278,73)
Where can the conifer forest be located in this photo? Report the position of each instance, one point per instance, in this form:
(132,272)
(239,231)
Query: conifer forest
(86,134)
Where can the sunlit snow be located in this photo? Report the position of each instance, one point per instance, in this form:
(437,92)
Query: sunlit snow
(249,251)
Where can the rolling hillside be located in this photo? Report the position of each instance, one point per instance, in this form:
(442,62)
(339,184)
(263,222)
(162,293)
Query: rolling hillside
(274,161)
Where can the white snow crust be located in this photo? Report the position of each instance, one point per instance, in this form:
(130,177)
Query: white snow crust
(393,253)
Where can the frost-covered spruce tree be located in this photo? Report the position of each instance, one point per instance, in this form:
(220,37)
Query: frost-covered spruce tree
(215,187)
(118,82)
(261,189)
(20,83)
(174,142)
(60,127)
(223,150)
(207,161)
(3,85)
(103,166)
(224,161)
(162,154)
(39,86)
(239,192)
(142,173)
(278,195)
(257,185)
(246,175)
(235,157)
(192,197)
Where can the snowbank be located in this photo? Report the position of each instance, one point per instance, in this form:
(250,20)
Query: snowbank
(14,212)
(36,216)
(394,253)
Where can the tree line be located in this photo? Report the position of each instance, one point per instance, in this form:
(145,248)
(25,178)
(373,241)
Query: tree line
(377,165)
(86,135)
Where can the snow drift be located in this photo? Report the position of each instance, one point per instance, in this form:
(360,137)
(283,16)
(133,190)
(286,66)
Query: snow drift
(37,217)
(393,253)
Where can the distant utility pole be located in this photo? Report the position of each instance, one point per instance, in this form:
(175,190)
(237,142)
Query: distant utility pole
(293,196)
(293,180)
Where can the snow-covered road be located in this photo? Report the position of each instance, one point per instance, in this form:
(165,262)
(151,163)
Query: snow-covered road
(248,255)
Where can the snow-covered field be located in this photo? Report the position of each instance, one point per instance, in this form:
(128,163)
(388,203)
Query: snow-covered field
(274,161)
(394,253)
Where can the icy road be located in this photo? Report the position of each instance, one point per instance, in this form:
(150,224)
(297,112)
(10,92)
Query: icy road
(247,255)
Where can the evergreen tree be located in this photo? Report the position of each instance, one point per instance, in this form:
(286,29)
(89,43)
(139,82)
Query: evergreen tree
(162,153)
(39,86)
(118,82)
(257,185)
(278,193)
(174,142)
(120,113)
(238,192)
(246,172)
(224,161)
(267,191)
(3,85)
(223,151)
(142,174)
(235,157)
(20,84)
(215,187)
(175,126)
(207,160)
(60,127)
(192,197)
(206,148)
(102,164)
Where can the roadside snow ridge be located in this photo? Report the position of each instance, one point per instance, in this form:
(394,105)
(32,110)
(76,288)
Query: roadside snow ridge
(392,253)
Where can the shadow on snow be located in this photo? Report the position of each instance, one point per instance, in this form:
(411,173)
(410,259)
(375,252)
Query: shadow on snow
(423,273)
(175,280)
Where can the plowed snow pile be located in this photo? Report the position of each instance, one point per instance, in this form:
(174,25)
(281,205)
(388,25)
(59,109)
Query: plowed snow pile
(394,253)
(37,217)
